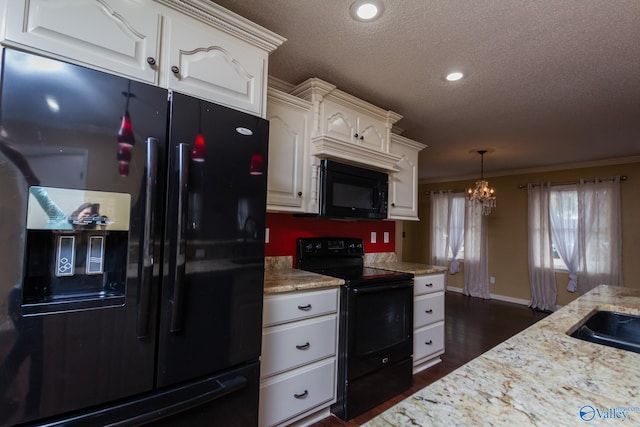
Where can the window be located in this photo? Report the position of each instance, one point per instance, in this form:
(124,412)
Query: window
(447,226)
(563,210)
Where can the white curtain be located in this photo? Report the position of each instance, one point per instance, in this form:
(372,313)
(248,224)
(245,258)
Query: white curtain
(563,211)
(599,234)
(456,230)
(541,273)
(476,265)
(440,208)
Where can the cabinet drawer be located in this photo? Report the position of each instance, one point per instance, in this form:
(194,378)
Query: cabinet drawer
(313,385)
(299,305)
(295,344)
(428,309)
(428,341)
(428,283)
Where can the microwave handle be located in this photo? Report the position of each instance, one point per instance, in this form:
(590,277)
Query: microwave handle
(382,199)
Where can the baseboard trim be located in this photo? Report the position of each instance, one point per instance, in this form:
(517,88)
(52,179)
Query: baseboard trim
(496,297)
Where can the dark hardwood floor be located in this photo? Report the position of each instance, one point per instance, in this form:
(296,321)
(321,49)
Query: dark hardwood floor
(472,326)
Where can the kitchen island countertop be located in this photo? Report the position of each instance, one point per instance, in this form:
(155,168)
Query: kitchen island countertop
(539,377)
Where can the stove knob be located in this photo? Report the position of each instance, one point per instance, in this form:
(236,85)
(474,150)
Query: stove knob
(308,247)
(318,246)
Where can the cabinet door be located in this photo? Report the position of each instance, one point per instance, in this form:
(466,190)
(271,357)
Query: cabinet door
(112,35)
(372,133)
(287,135)
(339,122)
(210,64)
(403,185)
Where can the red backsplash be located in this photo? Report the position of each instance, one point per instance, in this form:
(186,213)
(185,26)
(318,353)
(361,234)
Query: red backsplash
(284,229)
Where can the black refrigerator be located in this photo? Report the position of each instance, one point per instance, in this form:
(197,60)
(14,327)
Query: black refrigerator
(132,226)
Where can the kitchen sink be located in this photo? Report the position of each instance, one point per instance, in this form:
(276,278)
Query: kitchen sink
(613,329)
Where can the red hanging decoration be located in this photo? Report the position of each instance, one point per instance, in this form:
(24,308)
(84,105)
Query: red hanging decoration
(256,166)
(198,152)
(126,139)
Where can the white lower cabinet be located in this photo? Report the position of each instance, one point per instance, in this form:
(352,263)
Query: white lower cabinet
(298,362)
(428,320)
(297,392)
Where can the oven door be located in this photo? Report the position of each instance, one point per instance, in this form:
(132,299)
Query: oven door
(379,326)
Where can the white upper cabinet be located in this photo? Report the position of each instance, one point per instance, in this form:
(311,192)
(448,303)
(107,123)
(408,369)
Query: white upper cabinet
(212,65)
(347,128)
(351,126)
(112,35)
(403,185)
(288,135)
(192,46)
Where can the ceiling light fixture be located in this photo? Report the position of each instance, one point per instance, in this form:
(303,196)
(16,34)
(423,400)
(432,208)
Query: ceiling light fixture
(366,10)
(454,76)
(482,196)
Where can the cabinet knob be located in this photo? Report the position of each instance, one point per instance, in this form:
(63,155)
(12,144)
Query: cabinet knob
(393,205)
(299,193)
(356,135)
(175,70)
(151,60)
(361,137)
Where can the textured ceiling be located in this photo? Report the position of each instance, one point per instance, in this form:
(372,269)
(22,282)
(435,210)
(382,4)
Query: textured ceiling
(550,82)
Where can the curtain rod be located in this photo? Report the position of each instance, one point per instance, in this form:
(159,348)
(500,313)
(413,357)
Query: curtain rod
(622,178)
(428,193)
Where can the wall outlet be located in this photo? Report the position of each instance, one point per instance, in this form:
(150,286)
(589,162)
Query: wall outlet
(266,235)
(386,237)
(373,237)
(492,280)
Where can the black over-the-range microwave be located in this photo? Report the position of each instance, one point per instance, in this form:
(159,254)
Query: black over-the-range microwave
(347,191)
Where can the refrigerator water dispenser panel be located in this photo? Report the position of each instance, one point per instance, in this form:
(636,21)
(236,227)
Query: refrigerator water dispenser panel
(77,244)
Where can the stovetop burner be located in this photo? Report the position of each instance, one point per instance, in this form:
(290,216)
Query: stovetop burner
(341,257)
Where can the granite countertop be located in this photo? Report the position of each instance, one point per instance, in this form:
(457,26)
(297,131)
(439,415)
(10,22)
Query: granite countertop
(287,280)
(539,377)
(279,276)
(389,261)
(409,267)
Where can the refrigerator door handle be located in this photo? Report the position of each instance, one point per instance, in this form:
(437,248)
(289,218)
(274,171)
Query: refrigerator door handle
(183,191)
(148,241)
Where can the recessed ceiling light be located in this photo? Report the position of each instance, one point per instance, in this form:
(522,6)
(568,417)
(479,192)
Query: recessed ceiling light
(366,10)
(454,76)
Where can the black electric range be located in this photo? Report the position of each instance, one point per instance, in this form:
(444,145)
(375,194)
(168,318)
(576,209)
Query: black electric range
(342,257)
(375,343)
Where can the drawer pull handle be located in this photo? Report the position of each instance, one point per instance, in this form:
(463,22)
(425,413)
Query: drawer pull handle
(303,347)
(429,311)
(429,285)
(301,395)
(429,342)
(304,307)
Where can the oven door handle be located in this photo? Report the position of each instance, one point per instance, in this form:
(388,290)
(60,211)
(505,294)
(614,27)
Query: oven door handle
(371,289)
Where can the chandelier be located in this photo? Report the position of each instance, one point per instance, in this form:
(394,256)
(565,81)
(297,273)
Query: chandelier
(482,196)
